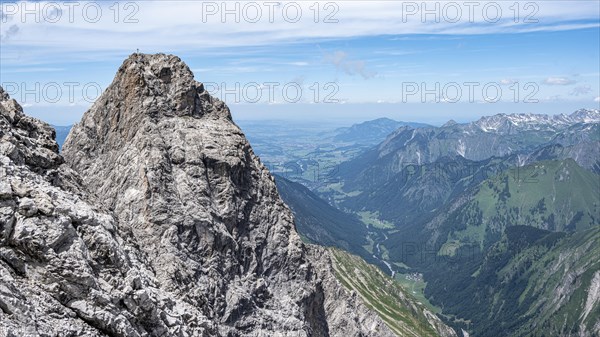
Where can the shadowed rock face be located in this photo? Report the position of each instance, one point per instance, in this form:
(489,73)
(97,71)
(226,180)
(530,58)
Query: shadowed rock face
(162,222)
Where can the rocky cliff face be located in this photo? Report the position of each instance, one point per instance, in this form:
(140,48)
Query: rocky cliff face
(64,267)
(162,222)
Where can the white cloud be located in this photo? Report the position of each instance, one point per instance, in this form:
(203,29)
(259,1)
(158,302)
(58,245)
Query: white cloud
(597,99)
(507,81)
(558,81)
(298,64)
(174,26)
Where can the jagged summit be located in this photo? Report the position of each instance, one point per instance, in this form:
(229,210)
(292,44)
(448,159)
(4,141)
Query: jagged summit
(586,115)
(163,85)
(503,123)
(169,69)
(450,123)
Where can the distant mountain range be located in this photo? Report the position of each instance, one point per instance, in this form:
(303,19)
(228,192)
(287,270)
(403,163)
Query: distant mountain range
(500,215)
(497,213)
(371,132)
(498,135)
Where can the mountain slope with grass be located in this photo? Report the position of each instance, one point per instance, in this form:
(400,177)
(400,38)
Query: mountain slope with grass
(532,282)
(517,255)
(401,312)
(552,195)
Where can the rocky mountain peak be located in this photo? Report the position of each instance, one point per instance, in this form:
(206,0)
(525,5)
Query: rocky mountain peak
(180,176)
(166,67)
(450,123)
(161,86)
(503,123)
(26,140)
(586,115)
(3,95)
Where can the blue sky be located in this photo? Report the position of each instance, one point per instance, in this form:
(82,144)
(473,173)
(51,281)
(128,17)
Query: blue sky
(380,58)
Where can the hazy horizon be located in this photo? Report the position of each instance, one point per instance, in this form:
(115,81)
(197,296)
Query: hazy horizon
(435,114)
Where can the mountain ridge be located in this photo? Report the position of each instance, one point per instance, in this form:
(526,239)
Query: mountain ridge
(372,131)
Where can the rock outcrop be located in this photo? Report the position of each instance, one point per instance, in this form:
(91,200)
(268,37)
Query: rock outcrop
(64,268)
(160,222)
